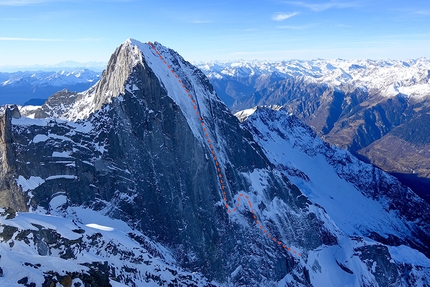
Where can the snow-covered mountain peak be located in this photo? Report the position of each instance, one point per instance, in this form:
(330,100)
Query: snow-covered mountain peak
(131,67)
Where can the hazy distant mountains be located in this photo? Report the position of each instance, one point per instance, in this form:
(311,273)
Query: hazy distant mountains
(376,109)
(66,66)
(34,87)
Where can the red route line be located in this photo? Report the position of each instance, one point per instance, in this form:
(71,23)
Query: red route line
(220,175)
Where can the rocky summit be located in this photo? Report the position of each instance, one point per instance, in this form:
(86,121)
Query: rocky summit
(147,179)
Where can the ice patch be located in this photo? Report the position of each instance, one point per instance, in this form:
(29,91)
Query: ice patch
(29,184)
(66,176)
(57,201)
(405,254)
(40,138)
(100,227)
(61,154)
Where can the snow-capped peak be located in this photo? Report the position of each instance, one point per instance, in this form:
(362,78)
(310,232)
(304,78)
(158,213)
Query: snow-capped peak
(183,83)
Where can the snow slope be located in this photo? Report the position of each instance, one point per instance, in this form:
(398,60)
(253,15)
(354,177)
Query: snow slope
(79,244)
(328,177)
(325,174)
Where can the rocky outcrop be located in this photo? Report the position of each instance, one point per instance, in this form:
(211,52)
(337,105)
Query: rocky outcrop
(86,256)
(10,193)
(58,104)
(116,74)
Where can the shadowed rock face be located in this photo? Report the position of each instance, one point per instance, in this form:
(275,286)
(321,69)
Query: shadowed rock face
(10,193)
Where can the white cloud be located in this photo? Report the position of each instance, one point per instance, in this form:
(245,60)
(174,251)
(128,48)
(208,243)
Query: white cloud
(21,39)
(423,12)
(201,21)
(21,2)
(291,27)
(30,39)
(325,6)
(283,16)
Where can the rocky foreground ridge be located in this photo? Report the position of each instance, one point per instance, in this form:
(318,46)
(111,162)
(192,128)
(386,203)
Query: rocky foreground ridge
(119,186)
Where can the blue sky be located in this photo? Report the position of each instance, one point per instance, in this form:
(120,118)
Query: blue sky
(49,31)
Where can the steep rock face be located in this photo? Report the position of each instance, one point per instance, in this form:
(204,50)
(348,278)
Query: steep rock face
(10,193)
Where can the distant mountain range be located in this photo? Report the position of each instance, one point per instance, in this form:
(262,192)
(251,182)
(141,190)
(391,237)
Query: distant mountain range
(389,77)
(379,110)
(29,87)
(66,66)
